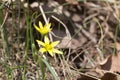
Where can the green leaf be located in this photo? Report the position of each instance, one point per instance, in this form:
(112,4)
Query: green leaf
(1,16)
(52,70)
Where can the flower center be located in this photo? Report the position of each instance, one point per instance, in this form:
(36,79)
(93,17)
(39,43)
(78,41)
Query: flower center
(48,47)
(44,30)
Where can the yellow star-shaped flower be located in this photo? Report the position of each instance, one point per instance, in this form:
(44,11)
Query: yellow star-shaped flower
(49,46)
(43,29)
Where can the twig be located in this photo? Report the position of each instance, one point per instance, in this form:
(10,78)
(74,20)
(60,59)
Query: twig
(43,14)
(67,31)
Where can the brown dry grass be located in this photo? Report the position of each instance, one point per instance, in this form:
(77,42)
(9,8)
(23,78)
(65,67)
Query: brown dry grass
(90,27)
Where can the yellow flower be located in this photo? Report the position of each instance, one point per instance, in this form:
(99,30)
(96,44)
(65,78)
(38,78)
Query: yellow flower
(49,46)
(43,29)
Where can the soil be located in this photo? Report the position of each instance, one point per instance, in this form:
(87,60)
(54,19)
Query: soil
(88,31)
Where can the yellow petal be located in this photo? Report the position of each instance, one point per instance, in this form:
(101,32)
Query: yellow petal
(53,44)
(38,29)
(51,53)
(42,50)
(40,25)
(40,42)
(47,41)
(57,51)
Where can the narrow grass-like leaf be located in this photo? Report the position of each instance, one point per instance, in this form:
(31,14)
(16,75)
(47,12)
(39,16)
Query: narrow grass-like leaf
(52,70)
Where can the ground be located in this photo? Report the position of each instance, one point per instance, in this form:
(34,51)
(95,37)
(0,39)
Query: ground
(88,32)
